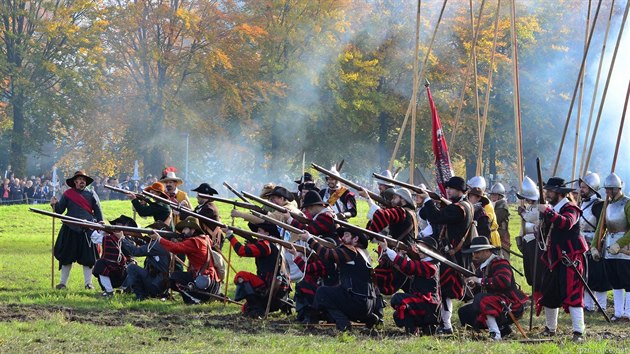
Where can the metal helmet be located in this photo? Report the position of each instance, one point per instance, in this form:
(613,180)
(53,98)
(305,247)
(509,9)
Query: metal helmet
(498,188)
(405,194)
(388,174)
(613,181)
(592,180)
(529,190)
(334,172)
(478,182)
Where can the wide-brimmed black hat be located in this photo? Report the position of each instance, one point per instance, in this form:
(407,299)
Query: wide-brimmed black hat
(269,228)
(457,182)
(363,240)
(558,185)
(306,178)
(312,198)
(281,192)
(159,225)
(124,220)
(479,243)
(429,242)
(205,188)
(478,192)
(190,222)
(80,173)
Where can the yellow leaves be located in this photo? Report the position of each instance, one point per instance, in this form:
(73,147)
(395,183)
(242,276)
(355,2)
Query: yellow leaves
(218,57)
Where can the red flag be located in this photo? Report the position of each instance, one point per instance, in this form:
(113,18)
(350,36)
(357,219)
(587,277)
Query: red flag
(443,170)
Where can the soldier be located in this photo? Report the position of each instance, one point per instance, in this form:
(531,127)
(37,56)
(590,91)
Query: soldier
(591,206)
(171,182)
(527,241)
(561,285)
(495,238)
(206,207)
(457,231)
(613,232)
(502,212)
(339,198)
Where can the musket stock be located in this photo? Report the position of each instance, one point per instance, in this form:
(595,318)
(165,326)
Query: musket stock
(351,184)
(292,229)
(124,191)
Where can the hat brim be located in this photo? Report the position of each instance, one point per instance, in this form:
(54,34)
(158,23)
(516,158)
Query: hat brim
(522,197)
(179,181)
(477,248)
(314,203)
(184,224)
(424,242)
(70,181)
(156,192)
(557,189)
(211,191)
(580,180)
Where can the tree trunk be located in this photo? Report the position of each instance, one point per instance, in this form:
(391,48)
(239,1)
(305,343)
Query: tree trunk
(18,157)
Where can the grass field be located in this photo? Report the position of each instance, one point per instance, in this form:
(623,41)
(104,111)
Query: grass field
(36,318)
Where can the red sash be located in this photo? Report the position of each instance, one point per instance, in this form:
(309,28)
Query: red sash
(78,199)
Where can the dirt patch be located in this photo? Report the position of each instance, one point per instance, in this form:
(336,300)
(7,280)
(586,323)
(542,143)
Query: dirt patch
(169,323)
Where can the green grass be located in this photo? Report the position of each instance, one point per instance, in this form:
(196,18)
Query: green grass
(36,318)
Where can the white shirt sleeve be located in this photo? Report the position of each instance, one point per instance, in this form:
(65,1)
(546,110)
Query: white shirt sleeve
(391,254)
(373,209)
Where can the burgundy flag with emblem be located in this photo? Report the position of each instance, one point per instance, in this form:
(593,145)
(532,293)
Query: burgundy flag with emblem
(443,171)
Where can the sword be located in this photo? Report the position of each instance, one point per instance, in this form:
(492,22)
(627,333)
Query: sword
(573,264)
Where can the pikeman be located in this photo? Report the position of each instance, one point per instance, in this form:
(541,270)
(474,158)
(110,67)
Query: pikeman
(201,277)
(207,208)
(502,212)
(354,299)
(480,182)
(457,231)
(613,232)
(418,308)
(152,280)
(256,288)
(171,182)
(561,284)
(340,198)
(158,210)
(528,241)
(499,293)
(73,243)
(111,268)
(401,219)
(592,206)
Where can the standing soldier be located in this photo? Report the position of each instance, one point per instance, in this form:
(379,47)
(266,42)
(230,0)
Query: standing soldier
(171,182)
(457,229)
(561,284)
(495,238)
(73,243)
(340,199)
(591,206)
(502,212)
(614,235)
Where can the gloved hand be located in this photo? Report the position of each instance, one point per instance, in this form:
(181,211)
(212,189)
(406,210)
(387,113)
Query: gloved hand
(595,254)
(614,248)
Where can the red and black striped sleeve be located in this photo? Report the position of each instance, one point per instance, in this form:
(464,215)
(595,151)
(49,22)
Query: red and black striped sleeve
(569,216)
(500,276)
(321,225)
(256,249)
(315,269)
(339,255)
(415,267)
(384,217)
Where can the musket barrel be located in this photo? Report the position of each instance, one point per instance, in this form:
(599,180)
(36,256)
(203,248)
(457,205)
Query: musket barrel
(350,184)
(236,193)
(296,216)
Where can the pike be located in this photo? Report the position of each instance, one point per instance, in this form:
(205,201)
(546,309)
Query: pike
(411,187)
(236,193)
(351,184)
(291,228)
(296,216)
(541,200)
(404,247)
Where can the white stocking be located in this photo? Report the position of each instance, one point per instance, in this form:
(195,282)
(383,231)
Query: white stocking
(87,275)
(551,318)
(447,309)
(618,295)
(577,319)
(106,282)
(493,326)
(65,273)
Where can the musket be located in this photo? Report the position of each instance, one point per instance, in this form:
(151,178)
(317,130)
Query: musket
(175,205)
(301,218)
(351,184)
(411,187)
(541,200)
(236,193)
(244,205)
(395,244)
(61,216)
(291,228)
(127,229)
(568,263)
(287,244)
(124,191)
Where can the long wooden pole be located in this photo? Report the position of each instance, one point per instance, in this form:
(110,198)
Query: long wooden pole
(486,104)
(596,88)
(516,94)
(414,95)
(577,83)
(579,112)
(610,71)
(476,82)
(467,76)
(52,256)
(621,125)
(229,260)
(422,74)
